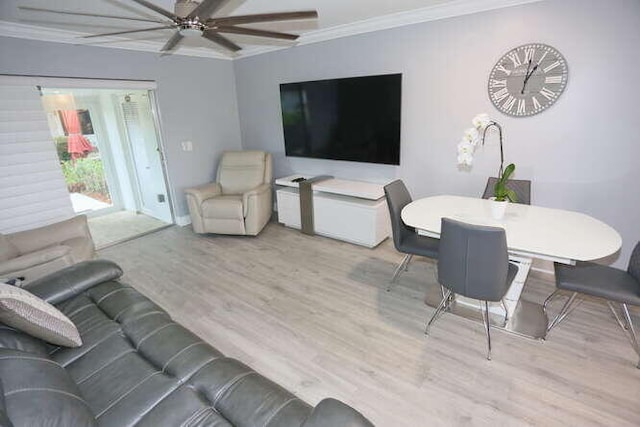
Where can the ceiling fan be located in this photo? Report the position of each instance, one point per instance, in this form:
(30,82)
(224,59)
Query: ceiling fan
(193,18)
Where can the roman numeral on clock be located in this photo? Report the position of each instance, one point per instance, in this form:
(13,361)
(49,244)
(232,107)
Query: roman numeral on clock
(515,59)
(551,66)
(504,70)
(546,52)
(501,94)
(529,53)
(498,83)
(553,79)
(509,103)
(522,109)
(547,93)
(536,103)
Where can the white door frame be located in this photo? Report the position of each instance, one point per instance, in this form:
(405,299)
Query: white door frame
(116,84)
(157,120)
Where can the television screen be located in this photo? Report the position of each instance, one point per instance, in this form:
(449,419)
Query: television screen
(355,119)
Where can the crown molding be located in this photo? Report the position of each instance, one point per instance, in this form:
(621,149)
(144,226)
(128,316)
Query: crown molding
(395,20)
(410,17)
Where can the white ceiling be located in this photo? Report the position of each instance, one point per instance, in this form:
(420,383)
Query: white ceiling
(336,18)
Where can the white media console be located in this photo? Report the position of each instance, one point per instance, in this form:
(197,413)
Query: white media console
(353,211)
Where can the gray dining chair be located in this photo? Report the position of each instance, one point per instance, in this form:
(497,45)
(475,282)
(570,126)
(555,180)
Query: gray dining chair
(604,282)
(405,238)
(473,262)
(521,187)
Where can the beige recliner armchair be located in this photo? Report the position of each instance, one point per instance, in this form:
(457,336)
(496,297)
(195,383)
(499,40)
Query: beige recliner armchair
(239,202)
(35,253)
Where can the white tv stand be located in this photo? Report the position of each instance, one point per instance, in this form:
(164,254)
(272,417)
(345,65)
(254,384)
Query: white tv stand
(353,211)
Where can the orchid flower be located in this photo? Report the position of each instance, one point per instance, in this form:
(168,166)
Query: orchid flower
(465,153)
(472,136)
(481,121)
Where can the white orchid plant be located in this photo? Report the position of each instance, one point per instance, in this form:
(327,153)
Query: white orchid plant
(471,138)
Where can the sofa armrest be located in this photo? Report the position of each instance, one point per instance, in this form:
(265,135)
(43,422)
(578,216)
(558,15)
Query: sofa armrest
(32,259)
(49,235)
(204,192)
(333,413)
(73,280)
(259,191)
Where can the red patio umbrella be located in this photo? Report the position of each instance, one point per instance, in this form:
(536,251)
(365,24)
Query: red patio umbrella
(77,145)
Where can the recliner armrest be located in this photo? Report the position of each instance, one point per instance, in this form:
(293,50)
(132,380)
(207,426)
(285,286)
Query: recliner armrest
(32,259)
(73,280)
(204,192)
(333,413)
(256,192)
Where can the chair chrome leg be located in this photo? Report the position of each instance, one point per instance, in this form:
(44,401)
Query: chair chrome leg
(550,298)
(506,311)
(409,257)
(616,316)
(439,309)
(399,269)
(487,326)
(632,331)
(563,312)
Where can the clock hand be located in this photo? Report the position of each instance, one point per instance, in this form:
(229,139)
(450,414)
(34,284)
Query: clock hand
(527,77)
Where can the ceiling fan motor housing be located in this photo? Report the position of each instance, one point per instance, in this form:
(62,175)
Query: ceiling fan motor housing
(185,7)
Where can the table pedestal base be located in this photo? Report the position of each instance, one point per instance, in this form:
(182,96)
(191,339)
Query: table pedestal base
(527,319)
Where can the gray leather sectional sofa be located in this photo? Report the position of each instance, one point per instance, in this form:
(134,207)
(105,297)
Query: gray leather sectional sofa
(137,367)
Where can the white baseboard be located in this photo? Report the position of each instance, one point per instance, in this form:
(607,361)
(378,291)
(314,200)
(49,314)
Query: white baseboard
(183,220)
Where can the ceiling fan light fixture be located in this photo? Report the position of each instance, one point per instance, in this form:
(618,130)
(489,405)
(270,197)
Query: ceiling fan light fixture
(191,28)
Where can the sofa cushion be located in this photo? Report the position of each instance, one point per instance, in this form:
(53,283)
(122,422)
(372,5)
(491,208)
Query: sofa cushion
(71,281)
(7,249)
(81,248)
(223,207)
(16,340)
(40,261)
(39,392)
(4,415)
(332,412)
(23,310)
(137,366)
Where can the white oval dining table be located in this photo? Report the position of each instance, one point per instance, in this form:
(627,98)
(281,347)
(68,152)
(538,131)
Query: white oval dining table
(532,232)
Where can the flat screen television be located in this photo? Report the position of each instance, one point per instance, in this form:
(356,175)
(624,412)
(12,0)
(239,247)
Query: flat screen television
(356,119)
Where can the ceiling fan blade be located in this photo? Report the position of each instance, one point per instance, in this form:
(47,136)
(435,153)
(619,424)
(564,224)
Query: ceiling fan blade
(166,27)
(258,33)
(263,17)
(156,9)
(64,12)
(221,40)
(207,8)
(172,42)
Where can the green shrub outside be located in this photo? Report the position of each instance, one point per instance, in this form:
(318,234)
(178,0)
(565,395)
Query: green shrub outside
(85,176)
(61,148)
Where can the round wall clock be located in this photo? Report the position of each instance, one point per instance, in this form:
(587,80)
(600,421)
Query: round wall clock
(528,79)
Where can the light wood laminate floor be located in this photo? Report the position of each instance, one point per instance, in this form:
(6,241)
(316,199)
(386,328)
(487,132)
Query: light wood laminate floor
(312,314)
(122,225)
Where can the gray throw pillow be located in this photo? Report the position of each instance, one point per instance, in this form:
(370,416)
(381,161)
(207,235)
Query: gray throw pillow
(22,310)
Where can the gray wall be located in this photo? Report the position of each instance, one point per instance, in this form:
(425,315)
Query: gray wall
(582,154)
(196,97)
